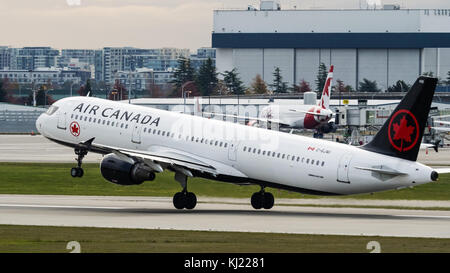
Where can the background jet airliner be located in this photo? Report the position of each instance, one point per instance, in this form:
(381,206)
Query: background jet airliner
(139,142)
(316,117)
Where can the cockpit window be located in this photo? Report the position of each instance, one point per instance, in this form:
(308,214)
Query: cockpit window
(51,110)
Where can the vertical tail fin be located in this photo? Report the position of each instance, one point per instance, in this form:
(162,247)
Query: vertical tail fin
(324,102)
(402,133)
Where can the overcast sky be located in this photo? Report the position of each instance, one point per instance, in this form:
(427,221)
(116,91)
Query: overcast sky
(137,23)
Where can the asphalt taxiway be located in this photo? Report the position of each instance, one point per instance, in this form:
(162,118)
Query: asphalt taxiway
(229,215)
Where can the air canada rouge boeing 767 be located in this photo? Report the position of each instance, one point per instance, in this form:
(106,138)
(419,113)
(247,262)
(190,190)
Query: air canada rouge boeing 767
(139,142)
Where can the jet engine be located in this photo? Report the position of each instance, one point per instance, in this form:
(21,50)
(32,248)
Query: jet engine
(329,127)
(124,172)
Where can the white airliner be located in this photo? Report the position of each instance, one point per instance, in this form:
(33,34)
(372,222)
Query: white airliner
(139,142)
(304,116)
(314,117)
(442,126)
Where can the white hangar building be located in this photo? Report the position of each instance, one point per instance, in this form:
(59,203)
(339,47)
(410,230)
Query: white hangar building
(383,45)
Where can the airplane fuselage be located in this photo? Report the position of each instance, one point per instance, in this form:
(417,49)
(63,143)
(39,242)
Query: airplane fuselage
(297,116)
(248,153)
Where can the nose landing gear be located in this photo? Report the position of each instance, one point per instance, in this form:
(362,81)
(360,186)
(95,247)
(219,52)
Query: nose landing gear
(78,171)
(81,151)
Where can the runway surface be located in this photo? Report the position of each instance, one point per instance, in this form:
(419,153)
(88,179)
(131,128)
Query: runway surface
(158,213)
(26,148)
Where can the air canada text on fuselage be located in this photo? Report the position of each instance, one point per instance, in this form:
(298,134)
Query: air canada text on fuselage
(118,114)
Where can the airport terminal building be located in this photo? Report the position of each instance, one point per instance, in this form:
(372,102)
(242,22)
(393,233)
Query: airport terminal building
(383,45)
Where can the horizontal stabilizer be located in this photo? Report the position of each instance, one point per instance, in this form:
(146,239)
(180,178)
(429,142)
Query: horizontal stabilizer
(442,170)
(381,170)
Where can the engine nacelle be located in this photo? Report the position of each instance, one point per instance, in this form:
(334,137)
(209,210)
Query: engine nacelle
(329,127)
(123,172)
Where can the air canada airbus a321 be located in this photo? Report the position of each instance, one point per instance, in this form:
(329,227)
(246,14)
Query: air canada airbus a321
(139,142)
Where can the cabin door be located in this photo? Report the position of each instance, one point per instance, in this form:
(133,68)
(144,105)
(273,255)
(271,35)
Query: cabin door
(62,120)
(232,151)
(343,168)
(136,136)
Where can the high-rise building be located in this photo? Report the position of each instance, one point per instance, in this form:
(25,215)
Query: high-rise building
(8,57)
(31,58)
(115,59)
(203,54)
(81,55)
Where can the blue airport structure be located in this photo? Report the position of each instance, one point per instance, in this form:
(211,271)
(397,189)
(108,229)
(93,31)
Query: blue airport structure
(385,45)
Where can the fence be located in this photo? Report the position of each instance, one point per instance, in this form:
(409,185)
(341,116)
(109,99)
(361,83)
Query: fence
(18,121)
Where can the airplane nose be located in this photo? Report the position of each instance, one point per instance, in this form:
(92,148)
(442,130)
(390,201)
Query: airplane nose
(39,124)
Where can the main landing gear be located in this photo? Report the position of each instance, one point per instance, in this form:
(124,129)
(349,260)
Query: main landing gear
(184,199)
(262,199)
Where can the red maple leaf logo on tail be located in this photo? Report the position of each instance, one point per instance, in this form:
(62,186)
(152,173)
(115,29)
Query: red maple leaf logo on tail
(403,131)
(400,132)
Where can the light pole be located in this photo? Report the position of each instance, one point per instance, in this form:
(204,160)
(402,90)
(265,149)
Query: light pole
(71,86)
(184,94)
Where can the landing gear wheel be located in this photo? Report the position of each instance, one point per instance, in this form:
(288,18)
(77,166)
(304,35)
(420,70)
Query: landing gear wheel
(76,172)
(257,200)
(184,200)
(179,200)
(191,200)
(262,199)
(268,200)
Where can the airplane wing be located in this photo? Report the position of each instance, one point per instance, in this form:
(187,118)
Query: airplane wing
(176,160)
(307,112)
(441,129)
(442,170)
(273,121)
(442,122)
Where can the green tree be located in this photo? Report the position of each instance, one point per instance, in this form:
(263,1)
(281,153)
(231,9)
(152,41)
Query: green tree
(399,86)
(207,78)
(321,77)
(259,86)
(278,85)
(368,86)
(183,73)
(232,82)
(42,97)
